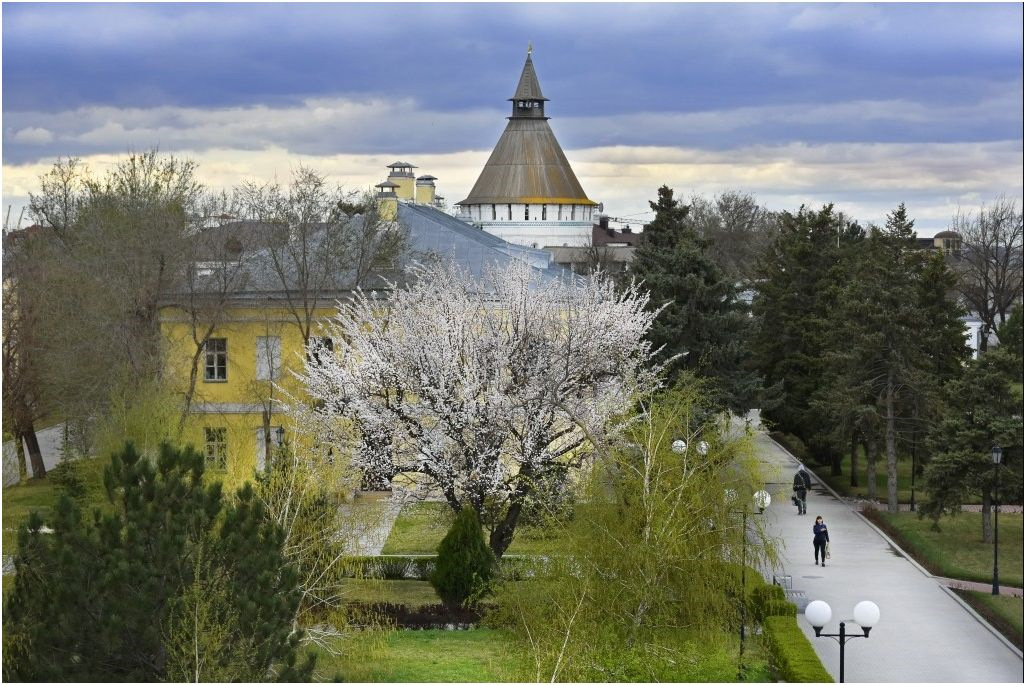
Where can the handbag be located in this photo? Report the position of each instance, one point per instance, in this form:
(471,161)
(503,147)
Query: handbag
(828,550)
(794,500)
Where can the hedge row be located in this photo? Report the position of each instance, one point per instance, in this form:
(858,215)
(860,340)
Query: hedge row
(791,652)
(412,567)
(793,656)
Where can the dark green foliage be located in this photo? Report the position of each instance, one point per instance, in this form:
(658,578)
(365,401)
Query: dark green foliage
(1010,333)
(68,478)
(982,410)
(90,601)
(792,443)
(465,563)
(796,296)
(793,655)
(703,316)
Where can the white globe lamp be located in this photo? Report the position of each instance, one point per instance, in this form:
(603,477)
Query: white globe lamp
(867,615)
(818,614)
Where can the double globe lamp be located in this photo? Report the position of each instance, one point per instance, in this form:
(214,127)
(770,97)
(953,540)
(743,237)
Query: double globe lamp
(866,613)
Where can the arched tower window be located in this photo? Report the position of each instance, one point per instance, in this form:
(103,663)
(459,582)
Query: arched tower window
(527,212)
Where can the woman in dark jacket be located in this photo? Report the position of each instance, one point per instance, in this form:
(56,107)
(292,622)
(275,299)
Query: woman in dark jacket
(820,539)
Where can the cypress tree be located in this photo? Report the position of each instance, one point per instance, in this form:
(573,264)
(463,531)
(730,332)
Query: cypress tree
(465,563)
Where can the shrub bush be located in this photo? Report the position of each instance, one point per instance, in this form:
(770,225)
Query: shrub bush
(793,444)
(67,477)
(465,564)
(793,656)
(762,595)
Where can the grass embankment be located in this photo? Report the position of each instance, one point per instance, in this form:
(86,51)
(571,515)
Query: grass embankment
(842,484)
(957,550)
(1002,612)
(420,528)
(42,495)
(425,656)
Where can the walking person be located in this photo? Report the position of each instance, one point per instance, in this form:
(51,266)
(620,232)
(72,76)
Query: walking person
(820,540)
(801,487)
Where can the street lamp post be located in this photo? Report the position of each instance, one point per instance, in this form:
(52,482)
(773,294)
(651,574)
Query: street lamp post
(818,613)
(761,500)
(995,457)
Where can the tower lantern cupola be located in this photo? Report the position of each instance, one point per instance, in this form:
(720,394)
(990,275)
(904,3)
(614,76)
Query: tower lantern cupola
(528,101)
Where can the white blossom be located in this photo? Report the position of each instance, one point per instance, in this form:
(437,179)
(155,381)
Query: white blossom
(481,385)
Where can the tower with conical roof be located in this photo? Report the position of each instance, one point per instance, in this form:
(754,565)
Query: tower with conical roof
(527,193)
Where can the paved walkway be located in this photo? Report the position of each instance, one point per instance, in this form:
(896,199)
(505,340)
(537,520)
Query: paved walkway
(925,633)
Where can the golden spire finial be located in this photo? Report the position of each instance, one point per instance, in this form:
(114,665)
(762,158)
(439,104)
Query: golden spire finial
(529,48)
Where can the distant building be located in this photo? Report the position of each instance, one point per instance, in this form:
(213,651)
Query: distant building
(527,193)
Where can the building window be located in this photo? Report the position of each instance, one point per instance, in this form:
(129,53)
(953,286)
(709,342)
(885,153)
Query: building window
(560,213)
(493,212)
(527,212)
(573,211)
(276,441)
(509,212)
(216,442)
(215,366)
(268,361)
(544,211)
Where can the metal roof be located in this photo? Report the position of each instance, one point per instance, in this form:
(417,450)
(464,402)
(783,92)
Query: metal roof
(527,166)
(528,88)
(393,165)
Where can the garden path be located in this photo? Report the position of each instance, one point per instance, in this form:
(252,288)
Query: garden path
(925,634)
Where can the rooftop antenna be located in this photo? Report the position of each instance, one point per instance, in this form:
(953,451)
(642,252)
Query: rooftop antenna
(529,48)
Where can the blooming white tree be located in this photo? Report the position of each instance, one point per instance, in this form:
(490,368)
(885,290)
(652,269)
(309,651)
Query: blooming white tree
(483,386)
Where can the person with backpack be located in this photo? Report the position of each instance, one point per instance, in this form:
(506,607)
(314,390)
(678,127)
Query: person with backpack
(801,487)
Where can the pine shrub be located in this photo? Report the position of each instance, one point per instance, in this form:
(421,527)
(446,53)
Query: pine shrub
(465,564)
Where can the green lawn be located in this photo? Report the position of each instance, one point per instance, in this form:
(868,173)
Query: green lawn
(1004,612)
(426,656)
(420,528)
(842,484)
(18,502)
(414,593)
(957,550)
(41,495)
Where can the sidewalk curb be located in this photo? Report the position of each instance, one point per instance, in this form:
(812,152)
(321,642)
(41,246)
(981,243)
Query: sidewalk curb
(994,631)
(997,633)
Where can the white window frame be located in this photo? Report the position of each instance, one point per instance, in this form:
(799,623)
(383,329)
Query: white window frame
(215,357)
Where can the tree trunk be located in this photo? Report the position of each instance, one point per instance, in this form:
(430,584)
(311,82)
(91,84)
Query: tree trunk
(35,455)
(854,482)
(266,419)
(835,461)
(872,450)
(988,533)
(892,452)
(19,449)
(502,537)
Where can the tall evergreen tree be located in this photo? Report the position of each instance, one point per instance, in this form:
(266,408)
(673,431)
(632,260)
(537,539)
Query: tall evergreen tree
(703,320)
(981,410)
(96,599)
(795,301)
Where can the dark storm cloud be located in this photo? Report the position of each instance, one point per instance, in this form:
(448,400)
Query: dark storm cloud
(84,78)
(614,58)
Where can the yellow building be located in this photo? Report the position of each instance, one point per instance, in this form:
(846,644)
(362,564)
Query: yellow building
(231,355)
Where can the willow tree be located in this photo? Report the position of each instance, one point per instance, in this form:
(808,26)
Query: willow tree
(480,388)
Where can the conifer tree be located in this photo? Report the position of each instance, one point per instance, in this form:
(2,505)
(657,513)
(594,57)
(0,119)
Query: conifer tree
(465,563)
(703,319)
(794,308)
(981,410)
(93,601)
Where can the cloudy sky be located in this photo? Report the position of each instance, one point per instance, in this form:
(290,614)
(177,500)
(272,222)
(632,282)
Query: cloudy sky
(861,105)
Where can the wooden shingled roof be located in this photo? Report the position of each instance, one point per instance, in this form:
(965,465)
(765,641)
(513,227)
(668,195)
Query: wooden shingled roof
(527,165)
